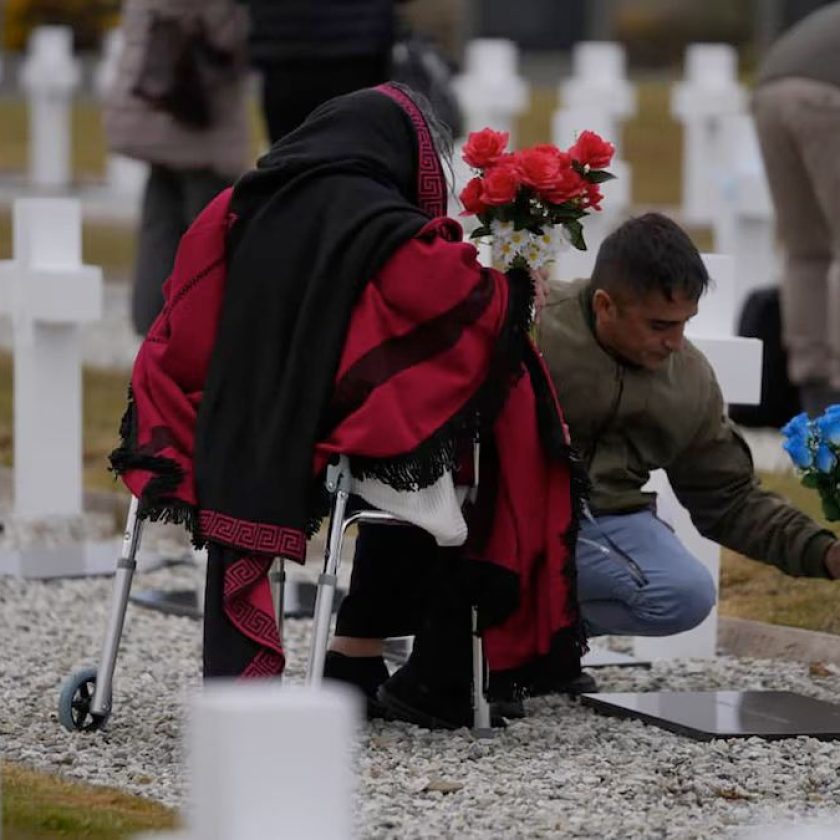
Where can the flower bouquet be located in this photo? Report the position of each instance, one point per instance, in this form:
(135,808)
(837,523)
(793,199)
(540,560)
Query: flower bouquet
(531,201)
(814,447)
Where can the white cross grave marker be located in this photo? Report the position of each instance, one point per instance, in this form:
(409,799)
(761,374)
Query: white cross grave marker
(268,760)
(744,223)
(50,75)
(737,364)
(708,94)
(566,125)
(490,91)
(599,82)
(49,293)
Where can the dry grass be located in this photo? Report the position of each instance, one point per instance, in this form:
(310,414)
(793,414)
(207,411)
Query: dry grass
(104,402)
(762,593)
(37,806)
(652,141)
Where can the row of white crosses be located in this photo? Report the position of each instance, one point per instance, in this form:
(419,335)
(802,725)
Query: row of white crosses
(50,76)
(723,176)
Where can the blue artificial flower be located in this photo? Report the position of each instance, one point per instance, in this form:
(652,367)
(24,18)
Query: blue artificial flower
(825,459)
(797,428)
(799,451)
(829,425)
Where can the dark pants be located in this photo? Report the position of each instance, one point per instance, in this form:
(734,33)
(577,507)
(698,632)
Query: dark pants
(404,584)
(292,89)
(172,199)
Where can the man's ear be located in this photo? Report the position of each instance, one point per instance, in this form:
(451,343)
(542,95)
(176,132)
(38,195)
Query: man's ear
(602,303)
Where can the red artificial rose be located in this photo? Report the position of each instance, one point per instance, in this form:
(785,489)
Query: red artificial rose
(593,197)
(592,150)
(540,166)
(501,183)
(471,198)
(484,148)
(568,186)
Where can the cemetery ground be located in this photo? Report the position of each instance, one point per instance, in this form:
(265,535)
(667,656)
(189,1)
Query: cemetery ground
(534,780)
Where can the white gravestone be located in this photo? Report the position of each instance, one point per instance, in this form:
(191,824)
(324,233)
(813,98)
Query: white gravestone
(744,223)
(269,761)
(125,176)
(49,294)
(490,91)
(599,81)
(50,76)
(566,126)
(737,364)
(708,94)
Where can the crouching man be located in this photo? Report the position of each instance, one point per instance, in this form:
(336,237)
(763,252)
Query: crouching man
(638,397)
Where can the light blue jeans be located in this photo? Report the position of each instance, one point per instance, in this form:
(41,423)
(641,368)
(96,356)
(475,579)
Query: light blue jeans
(635,578)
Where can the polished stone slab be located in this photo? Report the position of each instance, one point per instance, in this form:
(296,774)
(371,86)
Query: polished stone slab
(706,715)
(602,658)
(298,600)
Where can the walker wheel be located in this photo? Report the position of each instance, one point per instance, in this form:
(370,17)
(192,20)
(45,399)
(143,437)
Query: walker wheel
(74,703)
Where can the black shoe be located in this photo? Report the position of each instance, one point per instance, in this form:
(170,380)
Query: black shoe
(581,683)
(405,696)
(507,710)
(366,673)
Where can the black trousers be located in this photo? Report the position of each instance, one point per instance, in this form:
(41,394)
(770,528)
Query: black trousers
(292,89)
(171,200)
(404,584)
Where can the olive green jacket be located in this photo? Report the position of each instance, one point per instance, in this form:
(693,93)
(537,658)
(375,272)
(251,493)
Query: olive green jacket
(628,421)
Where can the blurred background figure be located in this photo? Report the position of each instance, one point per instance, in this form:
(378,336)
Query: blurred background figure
(179,103)
(797,113)
(309,51)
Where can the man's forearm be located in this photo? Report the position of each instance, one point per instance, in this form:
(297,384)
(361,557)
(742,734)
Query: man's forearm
(764,527)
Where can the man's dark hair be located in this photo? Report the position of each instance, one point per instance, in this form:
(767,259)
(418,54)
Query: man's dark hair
(650,253)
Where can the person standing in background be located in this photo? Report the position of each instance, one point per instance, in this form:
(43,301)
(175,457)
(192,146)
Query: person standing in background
(797,115)
(178,103)
(309,51)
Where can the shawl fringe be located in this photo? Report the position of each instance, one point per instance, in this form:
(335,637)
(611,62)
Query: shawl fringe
(157,502)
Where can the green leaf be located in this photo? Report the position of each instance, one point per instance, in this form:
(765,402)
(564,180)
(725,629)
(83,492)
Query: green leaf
(831,508)
(484,230)
(810,480)
(575,230)
(598,176)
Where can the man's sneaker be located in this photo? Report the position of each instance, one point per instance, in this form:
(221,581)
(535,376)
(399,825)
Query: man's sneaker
(366,673)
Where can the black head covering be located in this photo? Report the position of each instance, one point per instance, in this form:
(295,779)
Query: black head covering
(323,211)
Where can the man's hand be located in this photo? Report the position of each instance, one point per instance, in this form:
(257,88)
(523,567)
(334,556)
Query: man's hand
(832,560)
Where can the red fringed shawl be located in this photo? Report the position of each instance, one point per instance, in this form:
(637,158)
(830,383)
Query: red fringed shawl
(411,363)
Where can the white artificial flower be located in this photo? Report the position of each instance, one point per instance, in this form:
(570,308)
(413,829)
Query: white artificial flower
(501,230)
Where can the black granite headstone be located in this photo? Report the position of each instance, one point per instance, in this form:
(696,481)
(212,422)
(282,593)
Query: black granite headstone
(603,658)
(705,715)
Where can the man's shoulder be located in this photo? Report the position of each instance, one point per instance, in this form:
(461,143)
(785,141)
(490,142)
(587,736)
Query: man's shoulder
(560,294)
(563,314)
(693,361)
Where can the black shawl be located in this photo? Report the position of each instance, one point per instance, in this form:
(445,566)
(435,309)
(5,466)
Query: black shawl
(323,211)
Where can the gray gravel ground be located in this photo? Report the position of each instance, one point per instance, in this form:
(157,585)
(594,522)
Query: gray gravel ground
(562,772)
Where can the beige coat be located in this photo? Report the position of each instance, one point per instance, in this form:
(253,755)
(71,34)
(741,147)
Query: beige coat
(136,129)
